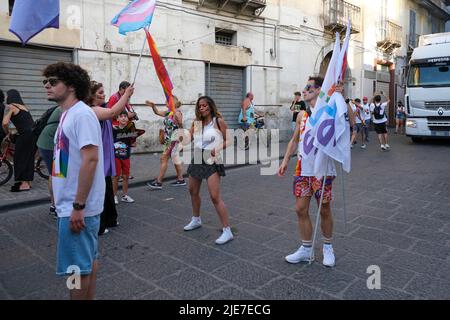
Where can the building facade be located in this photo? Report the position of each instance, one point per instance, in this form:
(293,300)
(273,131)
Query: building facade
(225,48)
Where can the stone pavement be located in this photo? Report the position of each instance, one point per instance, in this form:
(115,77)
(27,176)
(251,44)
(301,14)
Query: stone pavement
(144,167)
(398,211)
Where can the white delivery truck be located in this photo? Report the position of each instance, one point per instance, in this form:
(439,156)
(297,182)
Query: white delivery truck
(427,95)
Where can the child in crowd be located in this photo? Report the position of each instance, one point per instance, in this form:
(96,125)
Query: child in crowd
(124,139)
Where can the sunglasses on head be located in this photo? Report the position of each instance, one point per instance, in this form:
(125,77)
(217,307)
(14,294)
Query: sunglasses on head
(53,81)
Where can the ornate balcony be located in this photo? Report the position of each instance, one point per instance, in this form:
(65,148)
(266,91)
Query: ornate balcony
(337,13)
(252,8)
(391,37)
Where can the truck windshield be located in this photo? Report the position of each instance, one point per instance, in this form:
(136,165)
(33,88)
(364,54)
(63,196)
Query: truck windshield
(433,75)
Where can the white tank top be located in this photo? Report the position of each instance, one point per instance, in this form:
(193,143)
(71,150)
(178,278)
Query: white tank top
(210,138)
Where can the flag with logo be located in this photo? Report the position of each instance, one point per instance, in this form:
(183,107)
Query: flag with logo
(327,133)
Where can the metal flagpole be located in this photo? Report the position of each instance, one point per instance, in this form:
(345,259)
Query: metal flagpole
(343,195)
(318,212)
(140,58)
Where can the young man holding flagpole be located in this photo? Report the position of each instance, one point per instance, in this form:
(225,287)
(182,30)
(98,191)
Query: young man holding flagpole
(322,136)
(307,185)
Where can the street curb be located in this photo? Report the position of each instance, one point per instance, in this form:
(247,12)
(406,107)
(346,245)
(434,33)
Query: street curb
(140,183)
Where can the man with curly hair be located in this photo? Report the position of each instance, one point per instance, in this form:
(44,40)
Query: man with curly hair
(77,176)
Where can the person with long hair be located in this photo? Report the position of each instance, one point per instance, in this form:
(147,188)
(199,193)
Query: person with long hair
(209,131)
(25,143)
(108,217)
(170,145)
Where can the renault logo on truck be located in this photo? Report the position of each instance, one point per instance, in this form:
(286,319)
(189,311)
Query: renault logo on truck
(440,111)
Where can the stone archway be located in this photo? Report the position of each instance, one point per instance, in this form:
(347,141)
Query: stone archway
(324,64)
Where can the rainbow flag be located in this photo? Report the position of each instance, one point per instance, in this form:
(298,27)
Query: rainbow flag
(162,73)
(136,15)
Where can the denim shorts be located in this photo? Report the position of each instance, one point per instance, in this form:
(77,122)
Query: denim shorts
(77,250)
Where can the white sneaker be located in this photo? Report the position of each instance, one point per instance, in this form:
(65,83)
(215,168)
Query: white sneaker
(302,254)
(363,146)
(127,198)
(328,256)
(196,222)
(116,201)
(387,146)
(383,147)
(226,236)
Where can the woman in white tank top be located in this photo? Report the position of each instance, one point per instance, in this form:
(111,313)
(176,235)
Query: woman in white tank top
(209,132)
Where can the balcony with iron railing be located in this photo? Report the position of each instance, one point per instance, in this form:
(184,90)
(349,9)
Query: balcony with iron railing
(337,13)
(391,36)
(236,7)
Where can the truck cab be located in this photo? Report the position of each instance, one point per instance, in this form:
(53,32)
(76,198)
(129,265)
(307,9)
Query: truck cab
(427,95)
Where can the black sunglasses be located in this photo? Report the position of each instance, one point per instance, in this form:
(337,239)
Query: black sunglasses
(53,81)
(309,86)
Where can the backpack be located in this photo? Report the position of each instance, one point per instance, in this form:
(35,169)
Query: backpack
(41,123)
(377,112)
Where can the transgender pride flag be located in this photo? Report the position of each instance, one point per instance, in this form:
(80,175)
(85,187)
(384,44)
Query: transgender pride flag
(136,15)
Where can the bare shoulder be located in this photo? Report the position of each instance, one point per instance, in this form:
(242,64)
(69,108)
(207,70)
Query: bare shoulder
(221,121)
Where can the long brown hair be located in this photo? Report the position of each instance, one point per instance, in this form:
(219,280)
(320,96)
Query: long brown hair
(212,106)
(92,91)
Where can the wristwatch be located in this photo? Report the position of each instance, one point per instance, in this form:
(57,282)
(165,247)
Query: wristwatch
(78,206)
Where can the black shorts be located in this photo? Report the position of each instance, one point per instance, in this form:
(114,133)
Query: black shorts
(380,128)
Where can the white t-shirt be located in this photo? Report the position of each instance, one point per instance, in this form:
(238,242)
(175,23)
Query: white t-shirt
(357,110)
(78,127)
(366,109)
(383,111)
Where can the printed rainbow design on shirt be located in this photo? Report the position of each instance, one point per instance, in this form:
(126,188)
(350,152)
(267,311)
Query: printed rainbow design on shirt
(63,146)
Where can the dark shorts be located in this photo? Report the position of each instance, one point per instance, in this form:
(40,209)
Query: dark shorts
(204,171)
(47,156)
(380,128)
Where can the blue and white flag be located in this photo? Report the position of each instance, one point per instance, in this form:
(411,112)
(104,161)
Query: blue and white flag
(29,17)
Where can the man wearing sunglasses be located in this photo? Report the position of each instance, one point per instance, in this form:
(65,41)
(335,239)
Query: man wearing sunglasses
(307,185)
(77,177)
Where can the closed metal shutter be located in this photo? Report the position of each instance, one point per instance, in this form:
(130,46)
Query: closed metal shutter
(226,87)
(21,69)
(383,86)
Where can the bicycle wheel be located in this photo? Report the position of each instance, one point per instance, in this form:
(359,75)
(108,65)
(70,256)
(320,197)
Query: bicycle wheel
(41,168)
(6,171)
(242,140)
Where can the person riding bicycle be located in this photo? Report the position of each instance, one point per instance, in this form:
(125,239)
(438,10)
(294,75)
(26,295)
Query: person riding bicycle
(247,114)
(248,117)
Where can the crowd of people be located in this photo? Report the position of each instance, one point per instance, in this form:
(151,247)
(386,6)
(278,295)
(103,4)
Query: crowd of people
(365,115)
(86,145)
